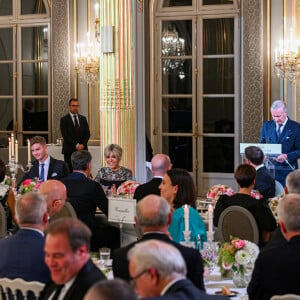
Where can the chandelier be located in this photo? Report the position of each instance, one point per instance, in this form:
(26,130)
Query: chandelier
(172,46)
(87,56)
(287,60)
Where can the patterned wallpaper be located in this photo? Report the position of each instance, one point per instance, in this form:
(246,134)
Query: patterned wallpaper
(252,84)
(60,63)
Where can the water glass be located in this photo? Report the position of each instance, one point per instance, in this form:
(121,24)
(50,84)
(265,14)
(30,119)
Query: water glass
(104,255)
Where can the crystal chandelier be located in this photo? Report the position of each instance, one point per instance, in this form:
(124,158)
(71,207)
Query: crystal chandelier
(87,56)
(287,60)
(172,45)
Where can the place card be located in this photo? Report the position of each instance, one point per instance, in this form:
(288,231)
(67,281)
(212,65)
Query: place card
(121,210)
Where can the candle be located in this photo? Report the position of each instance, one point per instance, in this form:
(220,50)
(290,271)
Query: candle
(28,151)
(9,149)
(210,218)
(12,145)
(186,217)
(97,10)
(16,150)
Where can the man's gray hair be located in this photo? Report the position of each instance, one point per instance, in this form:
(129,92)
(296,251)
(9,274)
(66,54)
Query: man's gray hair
(278,104)
(31,208)
(80,159)
(160,219)
(289,211)
(293,182)
(163,257)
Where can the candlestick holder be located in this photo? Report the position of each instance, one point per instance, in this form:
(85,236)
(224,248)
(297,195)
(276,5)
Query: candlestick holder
(14,166)
(210,236)
(187,242)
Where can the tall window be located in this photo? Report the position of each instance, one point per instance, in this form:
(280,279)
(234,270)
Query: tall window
(24,69)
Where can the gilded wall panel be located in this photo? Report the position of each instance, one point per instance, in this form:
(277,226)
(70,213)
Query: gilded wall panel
(60,63)
(252,61)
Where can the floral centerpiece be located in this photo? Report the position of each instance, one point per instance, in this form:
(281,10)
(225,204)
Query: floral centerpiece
(7,180)
(273,204)
(128,187)
(217,190)
(29,185)
(239,257)
(256,194)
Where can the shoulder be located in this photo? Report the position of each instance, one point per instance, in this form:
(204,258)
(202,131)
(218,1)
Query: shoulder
(124,170)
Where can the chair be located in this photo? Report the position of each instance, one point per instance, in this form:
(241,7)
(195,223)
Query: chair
(279,189)
(3,222)
(12,286)
(286,297)
(66,211)
(237,221)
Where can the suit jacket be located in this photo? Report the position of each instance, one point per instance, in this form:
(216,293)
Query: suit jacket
(191,256)
(276,271)
(68,133)
(258,208)
(57,170)
(22,256)
(85,195)
(86,277)
(265,183)
(150,187)
(290,141)
(184,289)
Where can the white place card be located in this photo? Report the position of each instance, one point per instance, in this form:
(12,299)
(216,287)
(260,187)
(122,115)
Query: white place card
(268,149)
(121,210)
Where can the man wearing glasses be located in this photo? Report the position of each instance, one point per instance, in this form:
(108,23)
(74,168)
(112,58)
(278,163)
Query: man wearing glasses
(284,131)
(75,132)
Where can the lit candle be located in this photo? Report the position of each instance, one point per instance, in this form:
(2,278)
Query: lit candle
(210,218)
(9,149)
(186,217)
(12,145)
(17,150)
(28,151)
(97,10)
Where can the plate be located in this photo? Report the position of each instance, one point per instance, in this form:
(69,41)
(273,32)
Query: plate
(232,293)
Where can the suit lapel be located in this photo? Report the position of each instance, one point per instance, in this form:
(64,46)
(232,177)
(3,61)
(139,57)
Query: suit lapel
(50,170)
(286,132)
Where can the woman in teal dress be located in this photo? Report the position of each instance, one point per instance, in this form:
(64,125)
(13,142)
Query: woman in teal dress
(178,189)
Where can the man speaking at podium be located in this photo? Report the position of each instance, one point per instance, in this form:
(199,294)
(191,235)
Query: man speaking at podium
(284,131)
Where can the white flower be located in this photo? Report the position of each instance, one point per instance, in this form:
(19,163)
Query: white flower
(242,257)
(252,249)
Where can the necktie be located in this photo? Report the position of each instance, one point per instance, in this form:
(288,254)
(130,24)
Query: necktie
(57,292)
(42,176)
(77,127)
(278,131)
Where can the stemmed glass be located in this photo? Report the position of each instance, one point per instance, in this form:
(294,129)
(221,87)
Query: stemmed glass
(209,254)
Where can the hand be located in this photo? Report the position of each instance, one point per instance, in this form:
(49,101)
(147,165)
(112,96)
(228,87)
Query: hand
(113,190)
(281,158)
(80,147)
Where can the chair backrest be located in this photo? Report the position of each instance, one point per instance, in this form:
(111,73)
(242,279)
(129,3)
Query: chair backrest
(3,222)
(237,221)
(279,189)
(12,286)
(66,211)
(286,297)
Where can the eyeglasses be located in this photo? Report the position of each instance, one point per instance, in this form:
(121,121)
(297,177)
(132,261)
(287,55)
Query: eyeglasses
(133,279)
(74,105)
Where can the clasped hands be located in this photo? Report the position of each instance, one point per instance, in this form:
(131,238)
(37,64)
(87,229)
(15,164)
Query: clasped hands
(281,158)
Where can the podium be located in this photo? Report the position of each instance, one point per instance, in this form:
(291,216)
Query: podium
(268,149)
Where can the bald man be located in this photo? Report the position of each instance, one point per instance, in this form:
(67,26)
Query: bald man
(55,193)
(153,216)
(160,164)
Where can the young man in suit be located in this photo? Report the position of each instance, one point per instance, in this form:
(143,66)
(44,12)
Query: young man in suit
(160,164)
(153,216)
(22,254)
(277,270)
(44,167)
(157,270)
(264,182)
(75,132)
(282,130)
(67,249)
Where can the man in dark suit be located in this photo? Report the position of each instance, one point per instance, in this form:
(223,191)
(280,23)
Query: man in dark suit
(75,132)
(160,164)
(85,195)
(44,167)
(153,216)
(264,182)
(158,270)
(277,270)
(22,254)
(67,257)
(286,132)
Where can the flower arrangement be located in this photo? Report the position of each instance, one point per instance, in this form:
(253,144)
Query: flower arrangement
(237,255)
(29,185)
(127,187)
(273,204)
(7,180)
(256,194)
(217,190)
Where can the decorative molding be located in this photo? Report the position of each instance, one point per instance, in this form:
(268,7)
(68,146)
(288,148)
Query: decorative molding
(140,5)
(252,61)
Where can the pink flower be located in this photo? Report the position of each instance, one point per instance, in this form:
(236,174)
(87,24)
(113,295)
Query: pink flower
(27,182)
(238,244)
